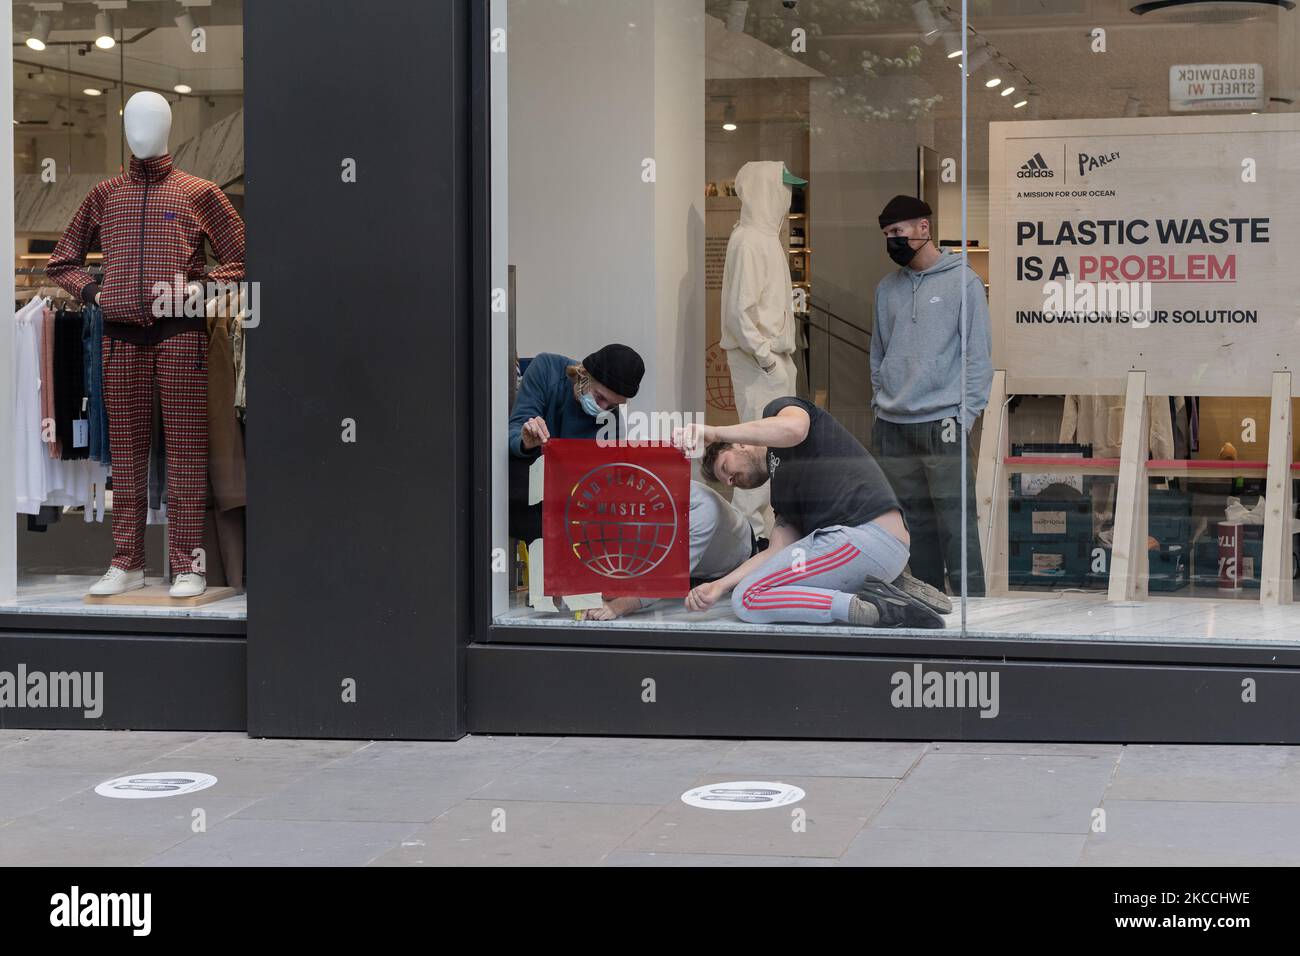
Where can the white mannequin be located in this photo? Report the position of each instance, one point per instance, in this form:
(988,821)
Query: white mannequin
(147,123)
(147,120)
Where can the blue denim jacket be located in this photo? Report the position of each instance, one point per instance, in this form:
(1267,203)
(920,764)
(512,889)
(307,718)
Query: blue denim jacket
(92,337)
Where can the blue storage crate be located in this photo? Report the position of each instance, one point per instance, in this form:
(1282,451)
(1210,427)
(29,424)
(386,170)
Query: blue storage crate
(1048,563)
(1037,520)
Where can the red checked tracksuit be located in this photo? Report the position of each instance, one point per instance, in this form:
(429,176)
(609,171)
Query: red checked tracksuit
(151,223)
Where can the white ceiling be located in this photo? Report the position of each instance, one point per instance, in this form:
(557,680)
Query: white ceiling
(153,54)
(1049,42)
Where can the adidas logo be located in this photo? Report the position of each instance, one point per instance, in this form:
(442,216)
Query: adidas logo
(1036,168)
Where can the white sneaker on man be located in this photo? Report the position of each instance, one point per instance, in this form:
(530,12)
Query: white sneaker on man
(188,585)
(117,581)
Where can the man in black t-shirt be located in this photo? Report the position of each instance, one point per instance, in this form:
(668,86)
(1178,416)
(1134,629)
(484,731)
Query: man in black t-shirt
(839,545)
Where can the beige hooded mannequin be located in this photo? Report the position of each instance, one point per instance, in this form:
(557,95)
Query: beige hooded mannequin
(758,328)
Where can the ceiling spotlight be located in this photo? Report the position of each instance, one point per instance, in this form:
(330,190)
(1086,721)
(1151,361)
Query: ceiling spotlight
(993,82)
(1207,11)
(1020,104)
(925,21)
(1008,90)
(978,57)
(729,118)
(91,91)
(104,31)
(40,32)
(736,15)
(183,88)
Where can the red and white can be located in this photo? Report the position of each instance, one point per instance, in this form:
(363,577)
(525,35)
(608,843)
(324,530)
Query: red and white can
(1230,536)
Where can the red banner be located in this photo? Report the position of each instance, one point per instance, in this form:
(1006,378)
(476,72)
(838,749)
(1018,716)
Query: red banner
(616,519)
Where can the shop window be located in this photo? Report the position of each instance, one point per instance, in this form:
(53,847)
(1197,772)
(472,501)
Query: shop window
(862,213)
(127,432)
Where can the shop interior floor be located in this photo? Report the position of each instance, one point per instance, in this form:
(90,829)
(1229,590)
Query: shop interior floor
(1065,615)
(65,594)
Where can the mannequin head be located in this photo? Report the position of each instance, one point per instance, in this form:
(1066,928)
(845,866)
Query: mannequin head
(147,121)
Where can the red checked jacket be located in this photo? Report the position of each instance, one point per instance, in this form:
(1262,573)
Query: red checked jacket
(151,223)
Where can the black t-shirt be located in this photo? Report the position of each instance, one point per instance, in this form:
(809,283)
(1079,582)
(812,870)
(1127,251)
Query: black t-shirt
(826,479)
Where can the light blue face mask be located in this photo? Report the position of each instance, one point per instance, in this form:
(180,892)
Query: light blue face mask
(589,405)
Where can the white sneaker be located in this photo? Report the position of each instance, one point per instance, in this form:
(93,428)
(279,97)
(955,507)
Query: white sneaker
(117,581)
(188,585)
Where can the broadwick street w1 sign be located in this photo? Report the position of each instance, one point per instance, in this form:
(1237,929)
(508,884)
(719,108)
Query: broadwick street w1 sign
(1202,87)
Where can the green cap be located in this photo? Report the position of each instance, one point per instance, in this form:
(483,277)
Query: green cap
(790,179)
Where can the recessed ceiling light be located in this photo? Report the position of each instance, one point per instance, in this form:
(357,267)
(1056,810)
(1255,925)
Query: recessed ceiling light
(1020,104)
(729,118)
(993,82)
(955,53)
(40,32)
(1008,90)
(183,88)
(91,91)
(104,31)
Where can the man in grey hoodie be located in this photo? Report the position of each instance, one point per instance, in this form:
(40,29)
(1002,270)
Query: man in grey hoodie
(916,380)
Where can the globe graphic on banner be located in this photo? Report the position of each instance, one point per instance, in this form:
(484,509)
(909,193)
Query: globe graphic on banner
(718,390)
(620,520)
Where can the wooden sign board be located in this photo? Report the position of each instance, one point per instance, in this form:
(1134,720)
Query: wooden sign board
(1185,231)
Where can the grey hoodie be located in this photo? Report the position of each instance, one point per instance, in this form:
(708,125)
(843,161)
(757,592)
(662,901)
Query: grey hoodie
(916,345)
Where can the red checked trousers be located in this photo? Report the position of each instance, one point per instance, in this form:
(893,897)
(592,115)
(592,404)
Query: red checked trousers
(177,366)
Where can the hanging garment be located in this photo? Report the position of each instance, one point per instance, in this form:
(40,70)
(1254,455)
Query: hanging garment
(758,327)
(69,382)
(47,378)
(176,366)
(29,452)
(41,480)
(92,340)
(756,291)
(151,222)
(1098,420)
(238,340)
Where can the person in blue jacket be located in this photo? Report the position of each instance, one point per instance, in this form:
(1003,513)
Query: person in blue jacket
(561,398)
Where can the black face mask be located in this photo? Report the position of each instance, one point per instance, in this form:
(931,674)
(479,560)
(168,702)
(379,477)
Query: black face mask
(900,249)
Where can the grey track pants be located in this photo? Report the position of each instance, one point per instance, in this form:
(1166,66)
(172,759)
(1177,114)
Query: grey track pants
(812,580)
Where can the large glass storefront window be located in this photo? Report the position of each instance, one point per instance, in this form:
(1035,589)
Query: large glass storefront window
(127,345)
(936,315)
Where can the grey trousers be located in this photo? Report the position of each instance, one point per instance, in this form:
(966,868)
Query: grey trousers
(812,580)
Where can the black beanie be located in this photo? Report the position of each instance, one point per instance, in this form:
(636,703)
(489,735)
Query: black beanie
(617,367)
(903,208)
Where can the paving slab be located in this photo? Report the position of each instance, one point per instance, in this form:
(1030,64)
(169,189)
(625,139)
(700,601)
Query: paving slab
(996,792)
(1208,773)
(754,759)
(518,833)
(1176,833)
(284,843)
(637,858)
(378,796)
(878,846)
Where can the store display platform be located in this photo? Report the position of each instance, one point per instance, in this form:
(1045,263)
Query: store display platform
(1214,617)
(66,594)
